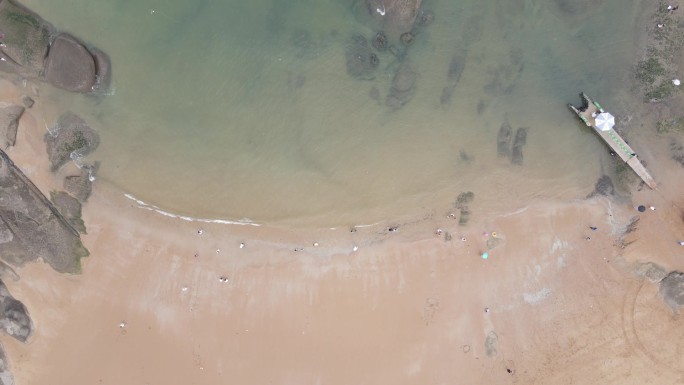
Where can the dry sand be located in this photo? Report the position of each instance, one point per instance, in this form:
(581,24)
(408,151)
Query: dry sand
(549,306)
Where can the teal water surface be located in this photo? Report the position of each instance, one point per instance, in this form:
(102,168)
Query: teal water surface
(244,109)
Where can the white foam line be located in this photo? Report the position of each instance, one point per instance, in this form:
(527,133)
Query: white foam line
(143,205)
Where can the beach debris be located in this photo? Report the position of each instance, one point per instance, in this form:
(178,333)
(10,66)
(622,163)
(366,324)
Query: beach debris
(122,324)
(242,245)
(676,82)
(315,244)
(593,228)
(393,229)
(652,208)
(218,251)
(680,243)
(463,239)
(223,279)
(298,249)
(641,208)
(486,310)
(184,289)
(355,248)
(200,231)
(485,255)
(465,348)
(438,232)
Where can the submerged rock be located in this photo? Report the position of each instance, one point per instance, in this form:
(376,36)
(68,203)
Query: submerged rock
(71,134)
(31,228)
(361,60)
(503,140)
(403,84)
(518,144)
(14,318)
(9,122)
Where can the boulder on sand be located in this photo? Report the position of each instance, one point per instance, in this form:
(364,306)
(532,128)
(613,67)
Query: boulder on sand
(14,318)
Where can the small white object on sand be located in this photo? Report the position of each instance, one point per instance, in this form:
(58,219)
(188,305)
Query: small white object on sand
(184,288)
(676,82)
(242,245)
(122,324)
(355,248)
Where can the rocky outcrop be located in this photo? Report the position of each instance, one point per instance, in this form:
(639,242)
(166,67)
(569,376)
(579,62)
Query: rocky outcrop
(70,208)
(70,135)
(15,321)
(6,377)
(14,318)
(32,48)
(9,121)
(31,228)
(81,185)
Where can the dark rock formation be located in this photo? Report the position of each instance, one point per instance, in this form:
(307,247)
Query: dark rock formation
(456,66)
(6,377)
(69,65)
(81,185)
(503,140)
(403,84)
(9,121)
(672,290)
(14,318)
(28,101)
(604,186)
(27,39)
(70,208)
(64,62)
(380,41)
(518,144)
(70,134)
(361,60)
(31,228)
(393,16)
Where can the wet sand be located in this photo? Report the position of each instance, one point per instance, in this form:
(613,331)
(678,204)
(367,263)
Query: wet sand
(555,303)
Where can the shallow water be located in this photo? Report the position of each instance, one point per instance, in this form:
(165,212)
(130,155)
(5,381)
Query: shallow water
(233,109)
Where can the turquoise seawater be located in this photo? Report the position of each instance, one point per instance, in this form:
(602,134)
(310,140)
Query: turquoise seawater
(244,109)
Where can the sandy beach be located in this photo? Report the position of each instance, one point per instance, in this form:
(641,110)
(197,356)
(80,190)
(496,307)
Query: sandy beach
(165,300)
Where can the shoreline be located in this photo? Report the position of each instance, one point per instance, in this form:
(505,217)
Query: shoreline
(301,306)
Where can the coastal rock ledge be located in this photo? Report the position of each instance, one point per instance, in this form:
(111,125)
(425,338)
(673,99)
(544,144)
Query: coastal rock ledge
(15,321)
(32,48)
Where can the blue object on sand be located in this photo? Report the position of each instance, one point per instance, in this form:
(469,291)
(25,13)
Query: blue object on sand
(485,255)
